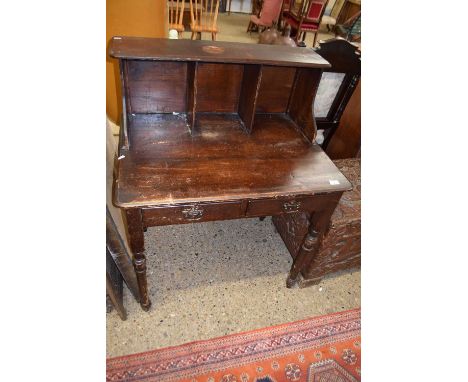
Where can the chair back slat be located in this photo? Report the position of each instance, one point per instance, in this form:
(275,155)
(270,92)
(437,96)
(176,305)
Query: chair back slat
(204,14)
(176,12)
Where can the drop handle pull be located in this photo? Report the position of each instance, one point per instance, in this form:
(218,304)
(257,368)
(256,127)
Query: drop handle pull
(193,213)
(292,206)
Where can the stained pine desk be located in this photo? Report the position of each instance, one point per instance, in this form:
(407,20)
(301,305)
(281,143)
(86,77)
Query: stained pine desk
(215,131)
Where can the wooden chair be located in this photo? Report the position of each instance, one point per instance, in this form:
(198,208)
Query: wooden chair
(204,17)
(336,85)
(176,14)
(268,15)
(305,16)
(285,7)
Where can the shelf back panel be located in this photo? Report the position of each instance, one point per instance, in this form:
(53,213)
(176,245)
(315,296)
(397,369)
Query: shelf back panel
(275,89)
(157,87)
(218,87)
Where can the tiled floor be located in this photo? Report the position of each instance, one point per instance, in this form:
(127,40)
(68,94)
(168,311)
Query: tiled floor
(212,279)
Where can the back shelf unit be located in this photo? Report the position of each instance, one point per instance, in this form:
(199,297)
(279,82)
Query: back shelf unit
(234,89)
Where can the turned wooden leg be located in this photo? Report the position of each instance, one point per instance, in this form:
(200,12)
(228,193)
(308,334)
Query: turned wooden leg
(137,245)
(213,36)
(193,34)
(308,249)
(318,226)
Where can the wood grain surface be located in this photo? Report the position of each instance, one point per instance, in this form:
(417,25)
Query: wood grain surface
(213,51)
(220,162)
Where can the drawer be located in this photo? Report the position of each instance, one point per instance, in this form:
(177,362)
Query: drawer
(189,213)
(269,207)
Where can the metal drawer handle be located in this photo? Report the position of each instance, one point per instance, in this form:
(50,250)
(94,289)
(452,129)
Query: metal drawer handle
(292,206)
(193,213)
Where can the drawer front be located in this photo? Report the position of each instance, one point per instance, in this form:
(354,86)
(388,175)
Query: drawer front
(269,207)
(190,213)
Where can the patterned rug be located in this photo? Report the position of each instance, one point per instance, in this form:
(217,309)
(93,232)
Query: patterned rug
(325,349)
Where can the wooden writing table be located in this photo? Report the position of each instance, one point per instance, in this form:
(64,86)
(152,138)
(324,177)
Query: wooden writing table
(215,131)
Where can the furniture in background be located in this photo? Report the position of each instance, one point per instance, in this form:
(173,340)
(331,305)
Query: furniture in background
(204,17)
(114,287)
(176,12)
(349,9)
(346,141)
(269,35)
(305,16)
(186,17)
(336,85)
(330,20)
(257,7)
(285,8)
(272,36)
(285,38)
(350,29)
(209,133)
(268,15)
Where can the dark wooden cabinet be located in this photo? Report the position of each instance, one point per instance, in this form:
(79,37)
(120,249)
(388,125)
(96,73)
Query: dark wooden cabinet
(217,130)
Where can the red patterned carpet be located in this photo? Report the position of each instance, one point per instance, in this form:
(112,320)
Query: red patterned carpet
(326,348)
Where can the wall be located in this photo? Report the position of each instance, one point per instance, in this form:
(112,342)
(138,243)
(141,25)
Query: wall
(244,6)
(146,18)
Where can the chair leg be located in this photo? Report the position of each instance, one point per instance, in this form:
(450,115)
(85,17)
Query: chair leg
(193,34)
(315,39)
(296,37)
(213,36)
(180,35)
(249,28)
(199,36)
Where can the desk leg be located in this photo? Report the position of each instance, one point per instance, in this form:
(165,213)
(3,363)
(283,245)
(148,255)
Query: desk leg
(137,245)
(319,222)
(308,248)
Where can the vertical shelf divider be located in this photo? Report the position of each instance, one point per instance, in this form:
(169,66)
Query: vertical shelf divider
(249,94)
(191,94)
(125,103)
(301,101)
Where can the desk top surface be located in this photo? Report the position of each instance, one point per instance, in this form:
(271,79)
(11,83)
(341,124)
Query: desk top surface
(220,162)
(160,49)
